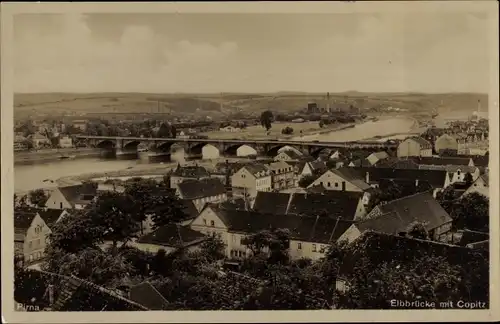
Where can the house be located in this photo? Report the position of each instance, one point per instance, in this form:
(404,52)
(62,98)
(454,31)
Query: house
(203,191)
(414,146)
(376,157)
(334,204)
(343,179)
(395,216)
(170,238)
(80,124)
(437,179)
(461,161)
(335,155)
(102,187)
(288,156)
(397,163)
(312,168)
(32,227)
(71,197)
(147,295)
(40,141)
(359,163)
(48,291)
(65,142)
(457,172)
(282,175)
(20,143)
(480,186)
(182,173)
(310,236)
(250,179)
(447,142)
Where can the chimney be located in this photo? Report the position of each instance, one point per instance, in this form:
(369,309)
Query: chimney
(478,105)
(367,178)
(416,183)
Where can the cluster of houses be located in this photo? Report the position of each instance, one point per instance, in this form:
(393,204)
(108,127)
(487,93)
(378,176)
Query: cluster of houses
(39,141)
(235,200)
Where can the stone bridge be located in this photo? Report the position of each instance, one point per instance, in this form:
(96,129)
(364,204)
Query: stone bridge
(225,146)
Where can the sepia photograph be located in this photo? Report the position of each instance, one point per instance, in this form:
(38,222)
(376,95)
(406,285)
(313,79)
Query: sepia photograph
(249,157)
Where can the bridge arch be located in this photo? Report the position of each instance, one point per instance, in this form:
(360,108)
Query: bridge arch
(197,148)
(240,150)
(273,150)
(131,145)
(106,144)
(164,146)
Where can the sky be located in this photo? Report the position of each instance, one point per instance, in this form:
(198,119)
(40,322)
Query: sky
(168,52)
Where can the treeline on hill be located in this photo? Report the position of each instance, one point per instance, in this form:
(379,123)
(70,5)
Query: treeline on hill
(373,270)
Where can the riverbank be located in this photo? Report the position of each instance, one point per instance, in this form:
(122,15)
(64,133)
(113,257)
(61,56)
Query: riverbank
(52,155)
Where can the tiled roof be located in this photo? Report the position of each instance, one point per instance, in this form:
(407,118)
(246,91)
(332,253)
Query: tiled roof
(223,167)
(430,160)
(331,203)
(147,295)
(172,235)
(75,193)
(380,155)
(361,163)
(279,165)
(189,208)
(190,172)
(436,178)
(353,176)
(397,214)
(408,187)
(423,142)
(23,217)
(317,165)
(481,160)
(486,179)
(302,228)
(469,237)
(50,216)
(449,168)
(258,170)
(194,189)
(70,293)
(271,202)
(397,163)
(291,154)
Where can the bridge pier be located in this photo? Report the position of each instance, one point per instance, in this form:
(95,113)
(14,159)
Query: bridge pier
(107,153)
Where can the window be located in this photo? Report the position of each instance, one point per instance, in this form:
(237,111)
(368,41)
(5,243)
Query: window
(336,184)
(204,221)
(212,223)
(299,246)
(329,184)
(37,243)
(60,205)
(233,238)
(243,176)
(30,244)
(314,247)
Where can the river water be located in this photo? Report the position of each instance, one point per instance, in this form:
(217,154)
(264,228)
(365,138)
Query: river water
(28,177)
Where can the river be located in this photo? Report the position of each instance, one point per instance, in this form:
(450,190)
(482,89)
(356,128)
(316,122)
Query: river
(29,177)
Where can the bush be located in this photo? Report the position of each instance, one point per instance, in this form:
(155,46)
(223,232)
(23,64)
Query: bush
(287,130)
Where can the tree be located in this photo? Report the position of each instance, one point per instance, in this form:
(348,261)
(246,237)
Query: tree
(113,212)
(287,130)
(166,209)
(274,242)
(266,119)
(307,180)
(417,230)
(38,197)
(468,179)
(386,192)
(164,131)
(140,191)
(472,212)
(213,249)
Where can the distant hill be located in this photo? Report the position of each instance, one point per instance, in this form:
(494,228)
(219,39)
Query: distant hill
(227,103)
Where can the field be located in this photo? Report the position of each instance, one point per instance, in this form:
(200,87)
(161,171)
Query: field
(226,105)
(257,131)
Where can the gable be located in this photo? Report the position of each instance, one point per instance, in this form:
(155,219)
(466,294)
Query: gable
(55,200)
(204,219)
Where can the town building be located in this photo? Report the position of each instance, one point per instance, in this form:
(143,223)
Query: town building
(394,217)
(32,227)
(282,175)
(201,192)
(170,238)
(437,179)
(40,141)
(457,172)
(460,161)
(80,124)
(312,168)
(250,179)
(376,157)
(71,197)
(337,204)
(182,173)
(310,236)
(288,156)
(480,186)
(343,179)
(414,146)
(65,142)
